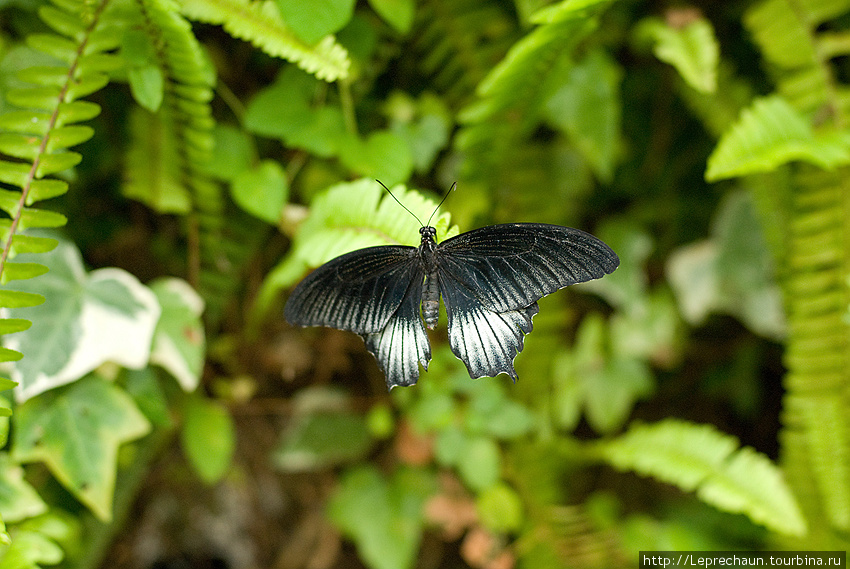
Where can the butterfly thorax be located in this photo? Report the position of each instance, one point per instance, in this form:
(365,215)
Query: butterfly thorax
(431,289)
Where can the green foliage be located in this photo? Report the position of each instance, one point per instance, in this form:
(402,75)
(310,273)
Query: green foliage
(384,517)
(76,432)
(698,458)
(107,315)
(208,437)
(324,432)
(609,116)
(769,134)
(692,49)
(261,24)
(40,125)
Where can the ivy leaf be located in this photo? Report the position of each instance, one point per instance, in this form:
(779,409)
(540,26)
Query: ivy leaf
(76,432)
(87,319)
(18,499)
(262,191)
(692,49)
(383,517)
(208,437)
(769,134)
(178,343)
(698,457)
(311,20)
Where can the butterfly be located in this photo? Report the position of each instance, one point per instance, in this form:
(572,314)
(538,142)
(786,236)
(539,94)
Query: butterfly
(490,280)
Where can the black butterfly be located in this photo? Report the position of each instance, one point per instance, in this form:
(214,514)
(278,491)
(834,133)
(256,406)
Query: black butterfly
(490,280)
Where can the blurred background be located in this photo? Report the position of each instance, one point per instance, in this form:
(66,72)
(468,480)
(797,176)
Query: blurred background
(179,166)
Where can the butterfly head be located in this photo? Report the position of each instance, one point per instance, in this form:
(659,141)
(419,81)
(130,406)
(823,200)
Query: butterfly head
(428,233)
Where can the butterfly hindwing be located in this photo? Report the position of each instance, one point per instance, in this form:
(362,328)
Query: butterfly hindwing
(485,340)
(510,266)
(403,343)
(358,291)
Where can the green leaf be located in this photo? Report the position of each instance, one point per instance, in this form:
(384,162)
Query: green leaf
(18,499)
(480,463)
(383,517)
(76,111)
(63,22)
(698,457)
(500,508)
(262,191)
(587,107)
(208,437)
(32,244)
(76,432)
(769,134)
(88,319)
(284,110)
(359,214)
(397,13)
(233,153)
(179,344)
(44,190)
(144,387)
(322,433)
(692,49)
(32,218)
(425,125)
(311,21)
(382,155)
(20,146)
(147,85)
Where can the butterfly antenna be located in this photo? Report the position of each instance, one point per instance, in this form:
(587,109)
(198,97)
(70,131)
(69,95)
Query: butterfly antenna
(445,197)
(399,203)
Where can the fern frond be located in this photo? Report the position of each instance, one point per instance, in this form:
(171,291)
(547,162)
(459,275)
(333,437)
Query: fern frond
(152,170)
(36,135)
(814,220)
(259,22)
(769,134)
(700,458)
(786,32)
(184,124)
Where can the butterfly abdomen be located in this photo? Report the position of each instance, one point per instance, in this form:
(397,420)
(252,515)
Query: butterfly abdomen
(431,301)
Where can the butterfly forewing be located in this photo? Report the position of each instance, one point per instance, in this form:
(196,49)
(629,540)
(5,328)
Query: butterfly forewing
(358,291)
(510,266)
